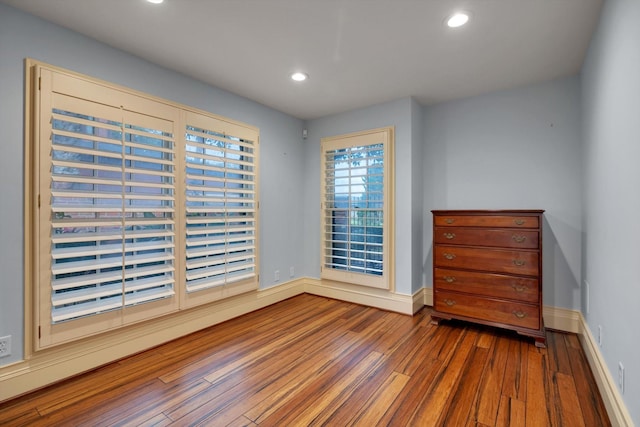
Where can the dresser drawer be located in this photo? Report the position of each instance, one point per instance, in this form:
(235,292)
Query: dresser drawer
(487,260)
(498,221)
(504,238)
(490,310)
(487,284)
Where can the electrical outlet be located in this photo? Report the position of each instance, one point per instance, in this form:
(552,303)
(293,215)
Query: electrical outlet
(600,335)
(621,377)
(5,346)
(292,272)
(276,275)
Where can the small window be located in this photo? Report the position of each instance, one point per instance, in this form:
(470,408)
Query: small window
(356,208)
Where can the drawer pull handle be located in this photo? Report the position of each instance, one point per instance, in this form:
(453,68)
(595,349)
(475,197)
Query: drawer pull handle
(518,221)
(519,314)
(449,235)
(449,220)
(449,279)
(518,262)
(449,256)
(519,288)
(518,239)
(449,302)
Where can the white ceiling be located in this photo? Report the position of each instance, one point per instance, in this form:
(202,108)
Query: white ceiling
(356,52)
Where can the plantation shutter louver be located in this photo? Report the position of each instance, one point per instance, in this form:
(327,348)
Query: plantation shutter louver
(220,205)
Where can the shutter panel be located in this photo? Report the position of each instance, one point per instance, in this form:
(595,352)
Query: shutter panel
(220,206)
(112,208)
(149,208)
(86,208)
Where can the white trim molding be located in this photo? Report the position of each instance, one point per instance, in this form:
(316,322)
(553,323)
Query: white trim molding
(371,297)
(427,296)
(616,409)
(561,319)
(419,301)
(49,366)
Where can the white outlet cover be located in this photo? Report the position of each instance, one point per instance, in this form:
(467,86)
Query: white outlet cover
(5,346)
(600,335)
(621,376)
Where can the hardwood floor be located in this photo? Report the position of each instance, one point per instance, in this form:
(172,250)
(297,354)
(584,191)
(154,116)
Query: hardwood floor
(315,361)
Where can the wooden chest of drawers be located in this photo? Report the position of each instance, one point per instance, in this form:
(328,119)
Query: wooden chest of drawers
(487,268)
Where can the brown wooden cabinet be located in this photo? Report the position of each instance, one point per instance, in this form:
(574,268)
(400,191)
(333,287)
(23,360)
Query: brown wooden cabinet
(487,268)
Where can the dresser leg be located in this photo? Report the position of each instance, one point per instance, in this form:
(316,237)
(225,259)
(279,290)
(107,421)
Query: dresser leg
(435,320)
(541,342)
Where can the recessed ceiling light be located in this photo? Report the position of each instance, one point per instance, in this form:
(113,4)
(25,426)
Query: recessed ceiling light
(299,77)
(457,20)
(155,1)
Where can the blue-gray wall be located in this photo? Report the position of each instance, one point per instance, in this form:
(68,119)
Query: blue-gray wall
(418,214)
(398,114)
(611,133)
(514,149)
(281,147)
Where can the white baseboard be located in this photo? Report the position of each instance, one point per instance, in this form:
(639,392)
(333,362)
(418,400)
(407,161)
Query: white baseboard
(49,366)
(428,296)
(618,413)
(371,297)
(418,301)
(561,319)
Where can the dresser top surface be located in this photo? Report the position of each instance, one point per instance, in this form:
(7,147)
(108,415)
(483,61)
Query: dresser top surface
(488,212)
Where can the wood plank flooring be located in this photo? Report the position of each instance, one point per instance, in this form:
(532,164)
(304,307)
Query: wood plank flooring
(315,361)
